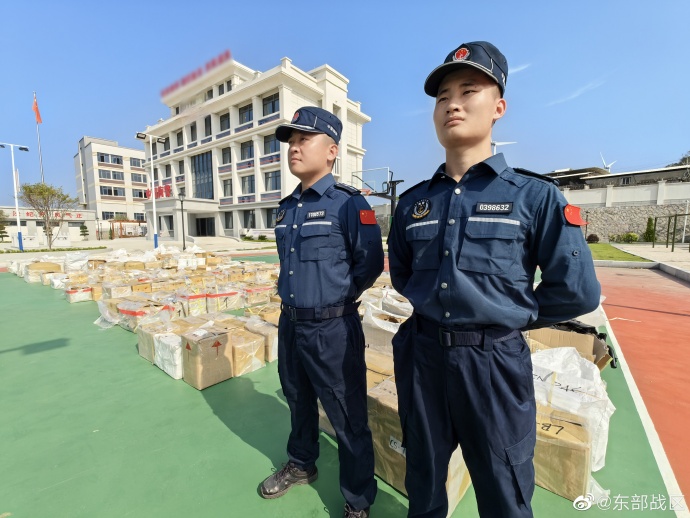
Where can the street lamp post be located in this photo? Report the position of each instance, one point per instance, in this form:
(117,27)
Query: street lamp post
(98,229)
(16,197)
(181,195)
(160,140)
(586,223)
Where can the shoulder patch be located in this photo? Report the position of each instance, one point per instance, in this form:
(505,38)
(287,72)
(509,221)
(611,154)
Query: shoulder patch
(406,191)
(347,188)
(526,172)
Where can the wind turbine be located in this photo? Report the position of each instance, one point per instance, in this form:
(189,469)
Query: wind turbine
(606,166)
(495,144)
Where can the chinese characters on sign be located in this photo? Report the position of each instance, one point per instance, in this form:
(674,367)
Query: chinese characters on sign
(39,215)
(161,191)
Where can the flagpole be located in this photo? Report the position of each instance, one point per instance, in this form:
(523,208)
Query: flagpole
(38,134)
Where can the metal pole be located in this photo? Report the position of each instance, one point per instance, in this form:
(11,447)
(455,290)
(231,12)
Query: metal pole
(654,237)
(685,220)
(668,230)
(184,245)
(673,240)
(153,196)
(15,176)
(40,156)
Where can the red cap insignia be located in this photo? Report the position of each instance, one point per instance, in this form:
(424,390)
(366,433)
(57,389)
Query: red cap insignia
(367,217)
(572,215)
(462,53)
(295,116)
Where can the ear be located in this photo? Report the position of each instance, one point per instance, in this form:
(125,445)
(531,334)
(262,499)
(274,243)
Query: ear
(332,150)
(500,109)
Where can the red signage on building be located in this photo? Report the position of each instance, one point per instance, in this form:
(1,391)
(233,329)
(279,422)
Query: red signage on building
(196,74)
(161,191)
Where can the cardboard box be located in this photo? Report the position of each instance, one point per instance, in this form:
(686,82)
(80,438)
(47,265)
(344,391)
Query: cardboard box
(78,294)
(192,303)
(269,312)
(207,357)
(258,294)
(135,265)
(248,351)
(47,276)
(269,332)
(563,453)
(95,264)
(116,291)
(134,312)
(146,335)
(153,265)
(390,456)
(141,287)
(224,301)
(589,346)
(379,367)
(168,354)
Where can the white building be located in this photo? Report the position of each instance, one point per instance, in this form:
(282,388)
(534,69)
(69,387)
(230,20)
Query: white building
(220,148)
(111,179)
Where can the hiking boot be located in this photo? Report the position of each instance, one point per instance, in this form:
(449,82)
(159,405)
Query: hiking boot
(351,513)
(278,484)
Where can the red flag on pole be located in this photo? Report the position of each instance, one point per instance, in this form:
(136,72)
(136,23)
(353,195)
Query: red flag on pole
(38,113)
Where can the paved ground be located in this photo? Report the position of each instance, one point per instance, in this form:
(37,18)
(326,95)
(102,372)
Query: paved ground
(679,258)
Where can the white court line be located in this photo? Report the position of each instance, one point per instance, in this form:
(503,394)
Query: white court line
(669,478)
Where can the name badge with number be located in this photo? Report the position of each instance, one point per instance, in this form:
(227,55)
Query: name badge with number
(494,207)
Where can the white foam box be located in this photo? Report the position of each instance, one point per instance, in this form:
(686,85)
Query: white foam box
(589,346)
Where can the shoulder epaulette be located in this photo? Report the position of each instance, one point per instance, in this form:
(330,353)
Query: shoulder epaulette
(412,188)
(347,188)
(285,199)
(527,172)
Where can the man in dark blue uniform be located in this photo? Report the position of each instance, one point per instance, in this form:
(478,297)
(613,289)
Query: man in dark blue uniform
(463,249)
(330,251)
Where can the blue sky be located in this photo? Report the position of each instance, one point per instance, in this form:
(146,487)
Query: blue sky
(586,77)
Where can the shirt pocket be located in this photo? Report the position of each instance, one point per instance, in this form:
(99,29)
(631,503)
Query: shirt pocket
(315,241)
(489,245)
(280,232)
(423,238)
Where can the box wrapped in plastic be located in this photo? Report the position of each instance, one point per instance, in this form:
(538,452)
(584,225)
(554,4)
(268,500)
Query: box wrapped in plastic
(58,281)
(207,357)
(47,276)
(379,367)
(270,312)
(248,351)
(258,294)
(116,291)
(168,354)
(78,294)
(395,304)
(223,298)
(33,271)
(269,331)
(193,301)
(76,262)
(96,291)
(134,313)
(187,262)
(379,328)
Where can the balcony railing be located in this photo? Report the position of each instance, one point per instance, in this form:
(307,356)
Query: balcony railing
(270,159)
(244,127)
(270,118)
(245,164)
(226,201)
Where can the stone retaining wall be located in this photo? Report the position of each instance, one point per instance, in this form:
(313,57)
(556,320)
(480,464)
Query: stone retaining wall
(605,221)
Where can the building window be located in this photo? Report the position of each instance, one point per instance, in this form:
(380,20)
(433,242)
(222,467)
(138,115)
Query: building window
(228,85)
(136,162)
(209,94)
(271,104)
(168,170)
(221,89)
(625,181)
(166,144)
(139,216)
(202,176)
(109,159)
(271,144)
(192,132)
(180,138)
(207,125)
(119,191)
(247,150)
(227,187)
(106,190)
(271,215)
(104,175)
(246,114)
(180,167)
(138,193)
(249,219)
(177,110)
(248,184)
(106,215)
(228,219)
(118,175)
(120,215)
(155,174)
(273,181)
(154,148)
(138,178)
(226,155)
(225,122)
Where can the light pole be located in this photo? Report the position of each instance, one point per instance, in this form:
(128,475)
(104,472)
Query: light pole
(181,195)
(160,140)
(98,229)
(586,223)
(16,197)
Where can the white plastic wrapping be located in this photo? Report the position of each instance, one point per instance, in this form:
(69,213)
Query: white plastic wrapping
(58,280)
(379,328)
(78,294)
(394,303)
(168,354)
(76,262)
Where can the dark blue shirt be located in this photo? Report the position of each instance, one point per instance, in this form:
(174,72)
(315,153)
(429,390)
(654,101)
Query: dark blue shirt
(465,253)
(329,252)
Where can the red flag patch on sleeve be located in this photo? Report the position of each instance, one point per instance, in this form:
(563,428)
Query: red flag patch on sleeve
(367,217)
(572,215)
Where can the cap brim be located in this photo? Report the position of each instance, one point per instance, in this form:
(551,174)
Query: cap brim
(284,131)
(433,82)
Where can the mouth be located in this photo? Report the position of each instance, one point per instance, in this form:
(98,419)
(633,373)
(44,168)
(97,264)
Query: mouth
(453,121)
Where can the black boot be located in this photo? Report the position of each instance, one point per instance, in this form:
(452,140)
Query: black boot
(278,484)
(351,513)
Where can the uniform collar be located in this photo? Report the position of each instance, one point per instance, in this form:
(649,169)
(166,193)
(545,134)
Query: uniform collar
(496,164)
(320,187)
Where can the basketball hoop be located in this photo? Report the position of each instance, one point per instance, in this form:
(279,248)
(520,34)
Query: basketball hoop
(365,192)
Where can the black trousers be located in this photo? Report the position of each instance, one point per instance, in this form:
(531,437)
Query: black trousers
(480,396)
(326,360)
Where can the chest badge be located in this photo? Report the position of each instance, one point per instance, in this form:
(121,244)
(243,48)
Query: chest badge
(494,207)
(280,216)
(316,214)
(421,208)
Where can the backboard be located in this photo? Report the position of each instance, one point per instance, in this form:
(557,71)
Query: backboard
(372,181)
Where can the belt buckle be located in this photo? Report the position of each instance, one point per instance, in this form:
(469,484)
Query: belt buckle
(291,313)
(440,337)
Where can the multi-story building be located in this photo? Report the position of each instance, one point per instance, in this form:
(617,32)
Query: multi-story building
(219,147)
(111,179)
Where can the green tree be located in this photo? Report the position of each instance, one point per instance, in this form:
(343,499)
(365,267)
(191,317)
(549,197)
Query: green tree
(684,160)
(51,203)
(84,231)
(3,232)
(649,232)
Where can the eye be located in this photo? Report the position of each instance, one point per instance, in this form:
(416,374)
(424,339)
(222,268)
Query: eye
(441,99)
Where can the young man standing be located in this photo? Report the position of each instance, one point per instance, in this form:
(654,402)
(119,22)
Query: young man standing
(330,251)
(463,249)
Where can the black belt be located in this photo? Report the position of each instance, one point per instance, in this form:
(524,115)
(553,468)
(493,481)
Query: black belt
(453,336)
(294,313)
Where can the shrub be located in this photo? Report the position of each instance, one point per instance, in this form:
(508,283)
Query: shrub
(262,237)
(614,238)
(630,237)
(649,232)
(592,238)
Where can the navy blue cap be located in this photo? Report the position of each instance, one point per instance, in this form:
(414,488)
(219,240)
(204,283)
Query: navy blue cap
(478,54)
(312,120)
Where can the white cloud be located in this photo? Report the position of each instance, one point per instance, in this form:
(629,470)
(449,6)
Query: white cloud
(577,93)
(518,68)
